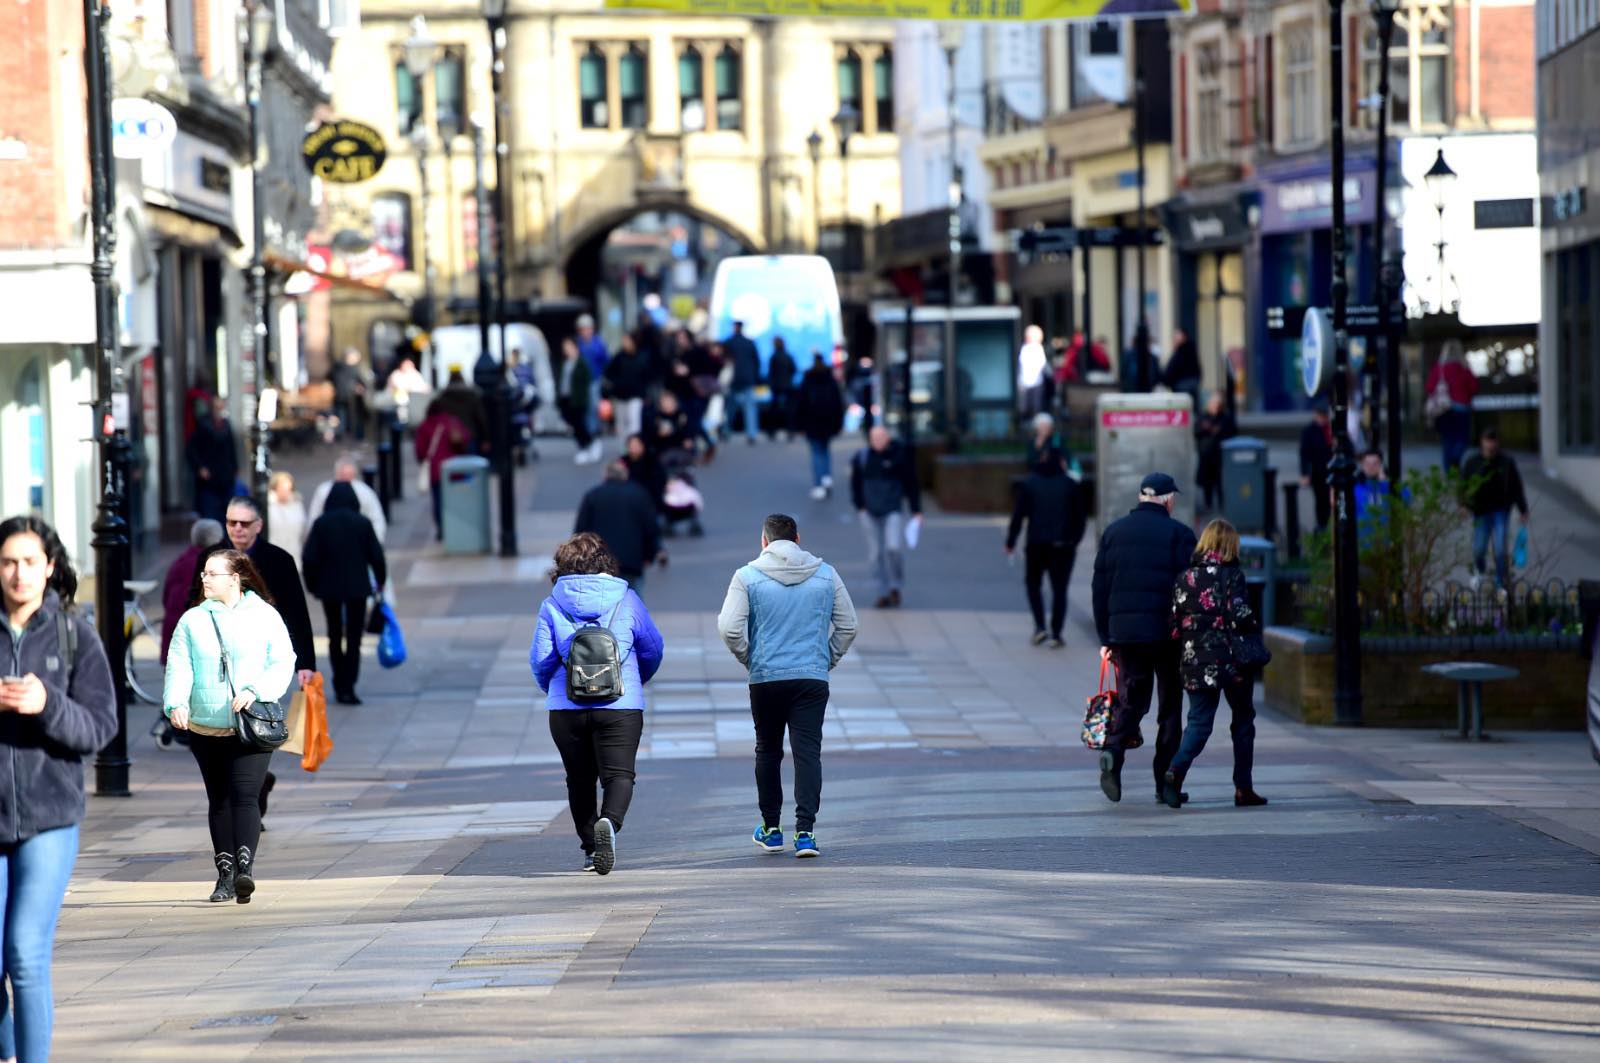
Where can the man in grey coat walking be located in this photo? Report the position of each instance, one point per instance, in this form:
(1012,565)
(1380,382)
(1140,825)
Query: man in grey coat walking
(789,620)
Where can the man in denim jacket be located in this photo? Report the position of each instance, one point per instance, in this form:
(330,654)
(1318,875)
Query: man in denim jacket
(789,620)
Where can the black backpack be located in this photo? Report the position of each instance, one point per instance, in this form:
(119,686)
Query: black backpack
(594,663)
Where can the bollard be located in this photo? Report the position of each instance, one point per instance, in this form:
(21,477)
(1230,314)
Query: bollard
(1291,519)
(384,458)
(1269,476)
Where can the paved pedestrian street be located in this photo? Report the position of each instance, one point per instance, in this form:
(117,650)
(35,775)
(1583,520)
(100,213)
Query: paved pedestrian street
(1402,897)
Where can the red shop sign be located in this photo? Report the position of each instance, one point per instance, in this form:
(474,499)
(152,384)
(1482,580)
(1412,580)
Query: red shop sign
(1144,418)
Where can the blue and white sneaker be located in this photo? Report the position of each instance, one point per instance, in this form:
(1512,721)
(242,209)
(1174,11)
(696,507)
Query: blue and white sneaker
(805,844)
(605,846)
(768,839)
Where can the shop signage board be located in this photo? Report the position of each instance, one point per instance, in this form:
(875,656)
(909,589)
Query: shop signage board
(939,10)
(141,128)
(1136,435)
(344,152)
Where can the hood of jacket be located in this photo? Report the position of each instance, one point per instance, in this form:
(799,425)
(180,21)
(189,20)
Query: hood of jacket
(342,496)
(785,562)
(590,597)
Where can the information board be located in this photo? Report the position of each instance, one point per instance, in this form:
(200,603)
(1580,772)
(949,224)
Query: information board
(1136,435)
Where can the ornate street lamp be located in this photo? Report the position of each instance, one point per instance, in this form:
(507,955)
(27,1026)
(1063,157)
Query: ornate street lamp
(814,146)
(258,40)
(1440,181)
(1383,13)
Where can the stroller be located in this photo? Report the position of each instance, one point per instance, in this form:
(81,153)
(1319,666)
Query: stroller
(681,501)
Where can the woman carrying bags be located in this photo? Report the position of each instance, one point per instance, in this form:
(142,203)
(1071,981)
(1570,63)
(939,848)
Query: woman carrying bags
(597,716)
(57,706)
(229,651)
(343,564)
(1220,638)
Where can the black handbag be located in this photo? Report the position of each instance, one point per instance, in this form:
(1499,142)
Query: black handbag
(262,725)
(1250,651)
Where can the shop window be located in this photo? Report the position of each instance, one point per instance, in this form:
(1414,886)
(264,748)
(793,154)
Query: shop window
(1099,73)
(691,91)
(1210,117)
(391,224)
(449,94)
(850,81)
(407,99)
(883,90)
(1578,365)
(593,112)
(1300,84)
(729,71)
(1420,88)
(633,77)
(30,403)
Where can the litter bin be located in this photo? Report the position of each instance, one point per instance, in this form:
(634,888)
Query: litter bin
(464,505)
(1244,483)
(1259,559)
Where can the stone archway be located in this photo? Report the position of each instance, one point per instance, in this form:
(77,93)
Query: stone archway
(581,264)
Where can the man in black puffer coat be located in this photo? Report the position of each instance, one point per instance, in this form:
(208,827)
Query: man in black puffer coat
(344,562)
(1140,558)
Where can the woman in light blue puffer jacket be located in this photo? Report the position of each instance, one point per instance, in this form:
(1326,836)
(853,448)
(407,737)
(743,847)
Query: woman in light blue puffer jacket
(202,696)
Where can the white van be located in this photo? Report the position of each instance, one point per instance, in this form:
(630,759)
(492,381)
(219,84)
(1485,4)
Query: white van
(793,296)
(457,346)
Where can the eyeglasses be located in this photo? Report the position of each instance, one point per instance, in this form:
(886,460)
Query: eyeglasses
(243,523)
(217,575)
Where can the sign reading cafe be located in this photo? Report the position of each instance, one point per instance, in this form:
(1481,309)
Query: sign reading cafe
(344,152)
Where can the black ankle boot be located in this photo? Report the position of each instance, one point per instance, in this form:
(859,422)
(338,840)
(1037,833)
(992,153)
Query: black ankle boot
(224,890)
(244,883)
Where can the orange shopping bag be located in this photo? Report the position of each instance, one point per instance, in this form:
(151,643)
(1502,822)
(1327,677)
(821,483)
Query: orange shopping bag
(318,742)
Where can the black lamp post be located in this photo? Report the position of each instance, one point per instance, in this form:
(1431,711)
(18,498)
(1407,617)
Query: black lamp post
(258,37)
(845,125)
(950,37)
(110,531)
(494,12)
(1347,709)
(1141,330)
(814,146)
(1440,179)
(1383,13)
(419,52)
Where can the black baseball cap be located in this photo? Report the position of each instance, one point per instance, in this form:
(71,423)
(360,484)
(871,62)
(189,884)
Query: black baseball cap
(1157,484)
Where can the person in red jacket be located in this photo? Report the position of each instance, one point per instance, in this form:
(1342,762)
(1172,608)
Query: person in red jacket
(440,437)
(1449,390)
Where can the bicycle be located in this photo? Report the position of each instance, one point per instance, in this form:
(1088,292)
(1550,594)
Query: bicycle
(144,670)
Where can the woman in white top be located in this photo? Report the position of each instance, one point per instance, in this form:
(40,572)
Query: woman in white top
(286,515)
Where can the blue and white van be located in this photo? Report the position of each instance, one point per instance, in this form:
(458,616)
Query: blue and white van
(792,296)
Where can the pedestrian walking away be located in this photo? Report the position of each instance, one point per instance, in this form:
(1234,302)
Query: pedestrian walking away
(746,361)
(213,459)
(1136,566)
(789,620)
(57,706)
(440,437)
(1214,427)
(628,378)
(1219,637)
(231,649)
(623,515)
(348,471)
(344,565)
(597,719)
(595,357)
(1450,389)
(1493,487)
(883,484)
(819,413)
(574,398)
(1056,511)
(781,372)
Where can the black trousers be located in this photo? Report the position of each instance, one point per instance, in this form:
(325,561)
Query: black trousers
(1143,669)
(798,705)
(1322,503)
(597,746)
(1055,559)
(347,621)
(234,775)
(580,427)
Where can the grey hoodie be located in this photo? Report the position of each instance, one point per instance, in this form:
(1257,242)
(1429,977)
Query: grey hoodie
(787,615)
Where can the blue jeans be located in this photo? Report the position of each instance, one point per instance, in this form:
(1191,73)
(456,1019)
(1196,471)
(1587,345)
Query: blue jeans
(1203,716)
(821,462)
(1455,434)
(33,880)
(1492,527)
(746,398)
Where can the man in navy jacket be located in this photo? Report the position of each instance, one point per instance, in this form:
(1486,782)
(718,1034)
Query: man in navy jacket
(1140,558)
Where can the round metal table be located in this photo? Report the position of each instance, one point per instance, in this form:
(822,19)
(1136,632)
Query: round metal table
(1469,677)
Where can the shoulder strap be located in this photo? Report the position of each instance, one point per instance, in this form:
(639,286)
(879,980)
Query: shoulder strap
(227,666)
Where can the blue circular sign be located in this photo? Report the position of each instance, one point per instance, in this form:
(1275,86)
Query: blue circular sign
(1316,351)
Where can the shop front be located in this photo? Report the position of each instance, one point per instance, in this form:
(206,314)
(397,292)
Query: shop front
(1211,245)
(1105,208)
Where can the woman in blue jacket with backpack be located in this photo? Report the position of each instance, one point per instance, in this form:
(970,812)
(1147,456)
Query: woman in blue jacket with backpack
(594,623)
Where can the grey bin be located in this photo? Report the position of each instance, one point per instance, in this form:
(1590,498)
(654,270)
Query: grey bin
(1244,483)
(464,505)
(1259,559)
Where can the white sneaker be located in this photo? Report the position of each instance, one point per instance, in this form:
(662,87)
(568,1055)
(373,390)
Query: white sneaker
(827,483)
(596,450)
(819,493)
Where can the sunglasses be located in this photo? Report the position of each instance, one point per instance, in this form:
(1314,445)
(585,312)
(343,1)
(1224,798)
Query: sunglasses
(243,523)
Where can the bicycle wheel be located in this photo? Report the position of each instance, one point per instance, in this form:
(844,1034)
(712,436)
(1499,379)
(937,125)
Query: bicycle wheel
(142,659)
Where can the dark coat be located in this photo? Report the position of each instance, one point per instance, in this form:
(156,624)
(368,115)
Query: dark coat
(282,578)
(574,402)
(1139,559)
(41,782)
(746,360)
(341,549)
(211,447)
(1316,451)
(624,515)
(466,404)
(175,593)
(881,481)
(820,409)
(1211,432)
(1183,367)
(1055,507)
(1502,485)
(1210,610)
(781,370)
(629,375)
(646,471)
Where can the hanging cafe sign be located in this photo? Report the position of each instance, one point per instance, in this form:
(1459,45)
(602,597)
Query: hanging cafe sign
(344,152)
(940,10)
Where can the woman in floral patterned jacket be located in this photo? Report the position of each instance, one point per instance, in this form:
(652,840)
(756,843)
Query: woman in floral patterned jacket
(1217,629)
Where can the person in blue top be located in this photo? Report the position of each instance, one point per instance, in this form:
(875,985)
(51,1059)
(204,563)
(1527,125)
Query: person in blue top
(598,743)
(788,619)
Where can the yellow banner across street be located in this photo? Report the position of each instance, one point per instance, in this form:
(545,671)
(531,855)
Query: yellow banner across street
(938,10)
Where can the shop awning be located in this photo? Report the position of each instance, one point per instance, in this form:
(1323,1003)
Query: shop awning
(284,264)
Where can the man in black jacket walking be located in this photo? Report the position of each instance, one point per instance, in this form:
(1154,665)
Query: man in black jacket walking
(883,482)
(344,562)
(1139,560)
(1494,488)
(624,515)
(1053,505)
(746,378)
